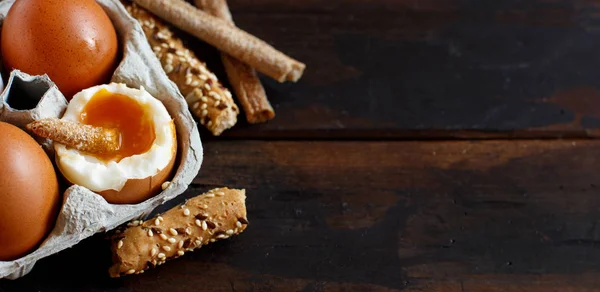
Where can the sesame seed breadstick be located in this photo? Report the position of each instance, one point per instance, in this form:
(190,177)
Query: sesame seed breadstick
(217,214)
(227,38)
(208,100)
(243,78)
(82,137)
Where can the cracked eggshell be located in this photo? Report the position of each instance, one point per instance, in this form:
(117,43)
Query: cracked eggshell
(83,212)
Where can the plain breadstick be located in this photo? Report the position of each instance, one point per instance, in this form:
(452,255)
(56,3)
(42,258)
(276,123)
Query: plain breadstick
(243,78)
(215,215)
(227,38)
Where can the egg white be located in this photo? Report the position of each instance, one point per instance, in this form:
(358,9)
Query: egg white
(98,175)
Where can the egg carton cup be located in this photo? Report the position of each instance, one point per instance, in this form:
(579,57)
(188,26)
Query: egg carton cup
(84,212)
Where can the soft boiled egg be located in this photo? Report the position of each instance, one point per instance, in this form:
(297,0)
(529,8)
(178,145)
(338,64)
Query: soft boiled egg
(148,144)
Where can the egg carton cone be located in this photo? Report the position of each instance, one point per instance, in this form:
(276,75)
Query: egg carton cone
(84,213)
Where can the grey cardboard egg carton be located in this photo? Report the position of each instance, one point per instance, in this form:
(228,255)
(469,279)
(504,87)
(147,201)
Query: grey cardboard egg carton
(83,212)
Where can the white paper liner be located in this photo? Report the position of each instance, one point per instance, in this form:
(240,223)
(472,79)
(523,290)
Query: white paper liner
(83,212)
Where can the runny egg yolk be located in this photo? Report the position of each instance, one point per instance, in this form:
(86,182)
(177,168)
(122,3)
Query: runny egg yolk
(120,112)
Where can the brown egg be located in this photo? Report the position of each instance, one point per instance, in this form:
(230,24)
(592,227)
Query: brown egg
(148,144)
(29,195)
(73,41)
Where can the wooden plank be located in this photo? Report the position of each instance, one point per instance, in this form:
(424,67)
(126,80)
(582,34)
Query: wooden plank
(380,216)
(435,68)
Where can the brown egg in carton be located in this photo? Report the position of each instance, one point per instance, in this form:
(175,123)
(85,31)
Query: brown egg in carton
(83,212)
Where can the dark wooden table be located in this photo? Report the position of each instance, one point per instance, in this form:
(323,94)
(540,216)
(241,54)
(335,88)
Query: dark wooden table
(432,145)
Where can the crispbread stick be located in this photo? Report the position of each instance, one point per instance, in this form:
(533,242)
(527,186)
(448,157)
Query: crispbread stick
(243,78)
(82,137)
(208,100)
(227,38)
(217,214)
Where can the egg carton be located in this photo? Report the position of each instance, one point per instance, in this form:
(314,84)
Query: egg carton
(27,98)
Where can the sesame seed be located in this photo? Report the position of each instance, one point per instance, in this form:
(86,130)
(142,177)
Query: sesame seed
(153,251)
(209,123)
(180,245)
(204,106)
(156,221)
(206,86)
(180,253)
(150,233)
(161,255)
(163,237)
(217,103)
(199,223)
(172,240)
(229,232)
(166,248)
(130,272)
(238,224)
(133,223)
(188,81)
(198,242)
(186,212)
(227,93)
(120,244)
(160,218)
(220,193)
(165,185)
(164,45)
(203,77)
(204,99)
(210,195)
(188,231)
(204,225)
(195,83)
(221,236)
(204,113)
(214,94)
(196,105)
(156,48)
(212,240)
(205,206)
(168,68)
(173,232)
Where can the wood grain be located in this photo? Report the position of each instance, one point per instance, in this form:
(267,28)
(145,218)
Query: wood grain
(380,216)
(435,68)
(342,196)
